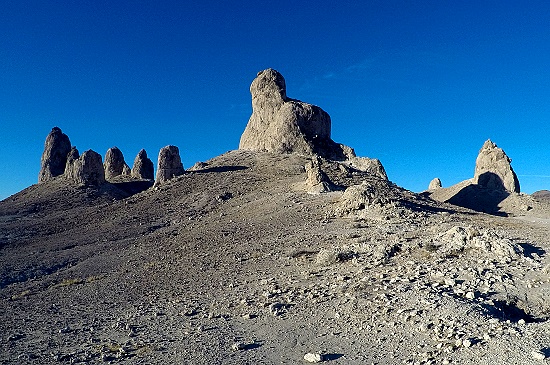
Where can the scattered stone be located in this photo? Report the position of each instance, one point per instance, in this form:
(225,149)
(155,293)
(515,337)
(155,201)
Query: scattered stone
(88,169)
(169,164)
(494,170)
(435,184)
(54,157)
(143,167)
(313,357)
(114,164)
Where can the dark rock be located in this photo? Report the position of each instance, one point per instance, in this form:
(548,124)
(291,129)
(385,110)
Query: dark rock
(54,157)
(143,167)
(114,164)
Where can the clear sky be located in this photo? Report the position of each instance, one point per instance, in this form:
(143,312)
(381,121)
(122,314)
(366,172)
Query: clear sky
(419,85)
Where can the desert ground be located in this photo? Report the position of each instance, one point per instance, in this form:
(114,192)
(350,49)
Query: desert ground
(238,262)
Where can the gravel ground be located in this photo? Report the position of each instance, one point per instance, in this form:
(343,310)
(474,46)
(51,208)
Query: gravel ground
(235,263)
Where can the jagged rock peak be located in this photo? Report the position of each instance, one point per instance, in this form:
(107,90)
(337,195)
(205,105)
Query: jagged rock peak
(143,167)
(69,166)
(88,169)
(282,125)
(435,184)
(494,170)
(54,157)
(169,164)
(114,164)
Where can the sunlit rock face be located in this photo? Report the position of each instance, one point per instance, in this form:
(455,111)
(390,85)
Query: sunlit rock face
(494,170)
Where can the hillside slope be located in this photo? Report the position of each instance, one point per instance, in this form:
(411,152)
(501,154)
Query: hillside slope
(235,263)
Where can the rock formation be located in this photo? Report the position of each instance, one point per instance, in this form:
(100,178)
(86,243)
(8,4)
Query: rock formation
(435,184)
(371,165)
(54,157)
(114,164)
(169,164)
(283,125)
(317,181)
(88,169)
(143,167)
(493,169)
(69,166)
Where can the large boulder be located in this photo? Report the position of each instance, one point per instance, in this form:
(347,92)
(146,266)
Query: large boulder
(494,170)
(435,184)
(169,164)
(282,125)
(88,169)
(143,167)
(114,164)
(54,157)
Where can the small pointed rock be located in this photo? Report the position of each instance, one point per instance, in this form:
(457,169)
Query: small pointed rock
(143,167)
(114,163)
(88,169)
(169,164)
(69,166)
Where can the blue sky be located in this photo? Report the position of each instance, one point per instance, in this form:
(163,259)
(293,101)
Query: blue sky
(419,85)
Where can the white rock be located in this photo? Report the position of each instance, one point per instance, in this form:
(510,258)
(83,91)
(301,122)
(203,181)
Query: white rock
(538,355)
(311,357)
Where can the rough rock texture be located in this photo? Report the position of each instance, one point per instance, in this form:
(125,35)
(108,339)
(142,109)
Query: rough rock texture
(493,169)
(54,157)
(143,166)
(169,164)
(69,166)
(283,125)
(114,164)
(317,181)
(435,184)
(88,169)
(371,165)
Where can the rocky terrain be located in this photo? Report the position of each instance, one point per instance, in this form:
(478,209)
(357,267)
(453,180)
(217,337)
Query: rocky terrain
(270,257)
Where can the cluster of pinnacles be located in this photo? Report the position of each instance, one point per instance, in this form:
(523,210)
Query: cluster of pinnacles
(61,159)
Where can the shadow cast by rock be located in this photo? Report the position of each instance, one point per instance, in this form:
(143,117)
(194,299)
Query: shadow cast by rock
(330,357)
(480,199)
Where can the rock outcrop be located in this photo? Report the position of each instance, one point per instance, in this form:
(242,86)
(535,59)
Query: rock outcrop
(169,164)
(494,170)
(69,166)
(282,125)
(372,166)
(114,164)
(54,157)
(88,169)
(317,181)
(143,167)
(435,184)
